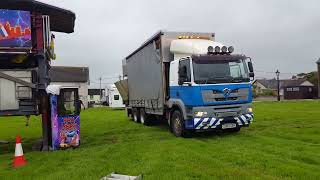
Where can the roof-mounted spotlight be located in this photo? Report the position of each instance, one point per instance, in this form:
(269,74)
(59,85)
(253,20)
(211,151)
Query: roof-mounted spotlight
(217,49)
(210,49)
(231,49)
(224,49)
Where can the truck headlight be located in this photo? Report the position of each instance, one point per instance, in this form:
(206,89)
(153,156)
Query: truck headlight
(249,110)
(200,114)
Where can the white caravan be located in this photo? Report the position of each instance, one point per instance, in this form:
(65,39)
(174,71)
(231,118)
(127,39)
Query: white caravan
(115,99)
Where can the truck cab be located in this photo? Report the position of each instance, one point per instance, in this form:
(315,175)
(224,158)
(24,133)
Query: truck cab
(210,86)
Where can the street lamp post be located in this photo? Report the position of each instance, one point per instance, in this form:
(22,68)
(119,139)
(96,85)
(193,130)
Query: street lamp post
(318,63)
(100,79)
(278,82)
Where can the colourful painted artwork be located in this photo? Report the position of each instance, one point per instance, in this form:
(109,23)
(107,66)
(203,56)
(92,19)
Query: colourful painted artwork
(15,29)
(54,122)
(69,131)
(65,129)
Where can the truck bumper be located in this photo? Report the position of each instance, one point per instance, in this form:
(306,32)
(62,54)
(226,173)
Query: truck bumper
(209,123)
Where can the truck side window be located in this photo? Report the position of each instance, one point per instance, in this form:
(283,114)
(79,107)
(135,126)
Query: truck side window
(184,71)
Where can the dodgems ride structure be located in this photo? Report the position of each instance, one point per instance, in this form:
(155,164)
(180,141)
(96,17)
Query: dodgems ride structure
(26,52)
(195,83)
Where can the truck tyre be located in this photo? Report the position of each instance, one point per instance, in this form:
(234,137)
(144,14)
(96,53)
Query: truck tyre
(144,117)
(129,113)
(136,115)
(177,124)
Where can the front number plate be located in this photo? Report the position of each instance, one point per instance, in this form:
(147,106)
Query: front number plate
(229,126)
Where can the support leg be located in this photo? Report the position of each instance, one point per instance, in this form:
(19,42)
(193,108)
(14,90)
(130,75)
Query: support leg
(46,123)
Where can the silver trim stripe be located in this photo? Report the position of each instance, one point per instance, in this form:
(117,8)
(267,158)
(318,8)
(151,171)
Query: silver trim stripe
(211,123)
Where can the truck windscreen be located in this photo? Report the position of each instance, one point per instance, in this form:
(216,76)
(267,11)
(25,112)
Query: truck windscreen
(220,71)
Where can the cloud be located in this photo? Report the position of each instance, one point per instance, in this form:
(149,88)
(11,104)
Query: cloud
(276,34)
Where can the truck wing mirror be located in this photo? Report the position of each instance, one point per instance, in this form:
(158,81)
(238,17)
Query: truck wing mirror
(182,75)
(250,67)
(251,73)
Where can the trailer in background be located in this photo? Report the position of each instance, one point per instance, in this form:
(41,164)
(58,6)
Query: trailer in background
(114,98)
(17,92)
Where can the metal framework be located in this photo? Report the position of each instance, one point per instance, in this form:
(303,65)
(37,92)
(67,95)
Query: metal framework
(44,19)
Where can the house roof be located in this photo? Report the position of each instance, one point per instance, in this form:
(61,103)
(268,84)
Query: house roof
(273,84)
(69,74)
(61,20)
(268,83)
(318,62)
(94,91)
(292,82)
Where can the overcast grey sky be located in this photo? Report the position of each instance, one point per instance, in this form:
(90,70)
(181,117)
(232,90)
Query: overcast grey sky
(276,34)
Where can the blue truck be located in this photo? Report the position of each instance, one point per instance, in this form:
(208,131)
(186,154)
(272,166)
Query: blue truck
(189,79)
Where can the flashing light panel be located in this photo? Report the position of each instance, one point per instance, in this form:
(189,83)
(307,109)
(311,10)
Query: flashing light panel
(15,29)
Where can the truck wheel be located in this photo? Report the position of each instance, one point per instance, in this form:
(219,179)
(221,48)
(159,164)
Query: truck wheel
(177,124)
(129,113)
(136,115)
(145,118)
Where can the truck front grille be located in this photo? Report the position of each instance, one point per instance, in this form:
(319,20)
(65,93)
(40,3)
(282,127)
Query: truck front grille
(219,96)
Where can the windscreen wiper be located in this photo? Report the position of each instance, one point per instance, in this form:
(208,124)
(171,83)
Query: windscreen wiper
(239,79)
(214,79)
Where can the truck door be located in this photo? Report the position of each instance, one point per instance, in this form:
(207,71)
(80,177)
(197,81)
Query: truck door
(181,88)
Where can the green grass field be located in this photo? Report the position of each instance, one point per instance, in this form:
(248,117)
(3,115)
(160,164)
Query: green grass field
(283,143)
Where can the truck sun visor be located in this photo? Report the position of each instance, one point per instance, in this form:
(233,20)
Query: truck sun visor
(217,58)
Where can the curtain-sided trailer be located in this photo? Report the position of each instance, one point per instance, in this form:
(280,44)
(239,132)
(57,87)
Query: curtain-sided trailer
(147,70)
